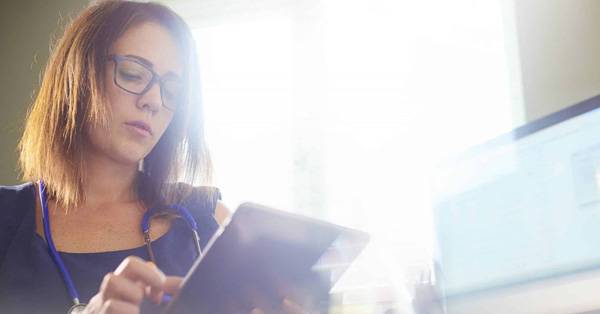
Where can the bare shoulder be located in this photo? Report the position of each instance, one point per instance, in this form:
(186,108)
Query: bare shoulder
(222,213)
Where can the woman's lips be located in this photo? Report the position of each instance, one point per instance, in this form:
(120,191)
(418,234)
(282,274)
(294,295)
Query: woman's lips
(140,127)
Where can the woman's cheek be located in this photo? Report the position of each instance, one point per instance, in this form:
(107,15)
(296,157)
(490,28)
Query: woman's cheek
(165,124)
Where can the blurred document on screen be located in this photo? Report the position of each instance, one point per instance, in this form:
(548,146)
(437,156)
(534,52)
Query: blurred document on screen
(513,211)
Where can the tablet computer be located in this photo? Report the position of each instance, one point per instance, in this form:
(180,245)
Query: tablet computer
(263,255)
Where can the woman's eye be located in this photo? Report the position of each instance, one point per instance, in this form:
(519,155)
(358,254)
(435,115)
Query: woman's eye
(130,76)
(169,94)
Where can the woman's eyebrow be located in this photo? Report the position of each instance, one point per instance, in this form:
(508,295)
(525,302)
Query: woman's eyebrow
(142,60)
(150,65)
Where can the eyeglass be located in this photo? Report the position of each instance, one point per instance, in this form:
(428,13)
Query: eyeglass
(131,75)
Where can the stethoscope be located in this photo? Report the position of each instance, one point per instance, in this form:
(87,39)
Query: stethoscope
(78,306)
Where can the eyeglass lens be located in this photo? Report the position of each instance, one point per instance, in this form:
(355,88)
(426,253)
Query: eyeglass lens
(136,78)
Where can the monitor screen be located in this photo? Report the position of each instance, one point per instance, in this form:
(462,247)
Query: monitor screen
(521,207)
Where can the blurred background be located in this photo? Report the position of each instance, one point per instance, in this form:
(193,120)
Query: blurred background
(343,110)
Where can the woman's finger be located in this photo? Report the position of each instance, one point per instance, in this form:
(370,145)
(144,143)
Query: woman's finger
(173,284)
(118,287)
(171,288)
(155,294)
(262,299)
(113,306)
(137,269)
(290,307)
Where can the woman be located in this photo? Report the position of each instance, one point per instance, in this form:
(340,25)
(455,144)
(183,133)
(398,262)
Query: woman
(117,118)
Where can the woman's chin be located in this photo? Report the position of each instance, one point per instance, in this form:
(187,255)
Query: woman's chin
(129,159)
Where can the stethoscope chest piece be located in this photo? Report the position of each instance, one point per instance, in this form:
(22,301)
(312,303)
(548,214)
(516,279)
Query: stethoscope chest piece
(77,308)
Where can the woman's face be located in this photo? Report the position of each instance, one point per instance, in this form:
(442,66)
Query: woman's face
(137,122)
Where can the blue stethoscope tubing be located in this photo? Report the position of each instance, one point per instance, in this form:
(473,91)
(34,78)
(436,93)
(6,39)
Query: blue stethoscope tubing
(184,212)
(187,216)
(52,249)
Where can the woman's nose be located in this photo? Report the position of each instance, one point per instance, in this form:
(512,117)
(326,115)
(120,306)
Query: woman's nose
(151,100)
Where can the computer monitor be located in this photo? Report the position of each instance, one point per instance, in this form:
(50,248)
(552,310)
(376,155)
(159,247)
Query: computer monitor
(522,208)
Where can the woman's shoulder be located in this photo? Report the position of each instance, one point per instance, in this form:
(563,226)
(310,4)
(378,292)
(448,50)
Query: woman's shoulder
(16,201)
(203,200)
(16,196)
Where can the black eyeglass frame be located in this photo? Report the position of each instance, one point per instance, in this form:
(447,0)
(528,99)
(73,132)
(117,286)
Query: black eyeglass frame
(155,78)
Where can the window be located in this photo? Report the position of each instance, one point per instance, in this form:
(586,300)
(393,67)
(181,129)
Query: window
(338,109)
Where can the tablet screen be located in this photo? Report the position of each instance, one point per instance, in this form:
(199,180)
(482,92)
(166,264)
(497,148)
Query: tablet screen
(263,255)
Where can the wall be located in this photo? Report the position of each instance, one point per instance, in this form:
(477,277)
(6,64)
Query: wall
(559,52)
(25,31)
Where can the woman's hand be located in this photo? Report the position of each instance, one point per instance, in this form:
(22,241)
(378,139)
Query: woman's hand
(123,290)
(310,295)
(287,307)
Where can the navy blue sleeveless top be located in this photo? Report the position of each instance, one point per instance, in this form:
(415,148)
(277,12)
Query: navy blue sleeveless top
(30,281)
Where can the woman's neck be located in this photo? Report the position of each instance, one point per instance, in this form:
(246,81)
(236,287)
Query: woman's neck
(109,182)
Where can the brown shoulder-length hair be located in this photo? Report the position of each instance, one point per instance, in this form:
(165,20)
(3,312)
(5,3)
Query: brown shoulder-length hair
(72,97)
